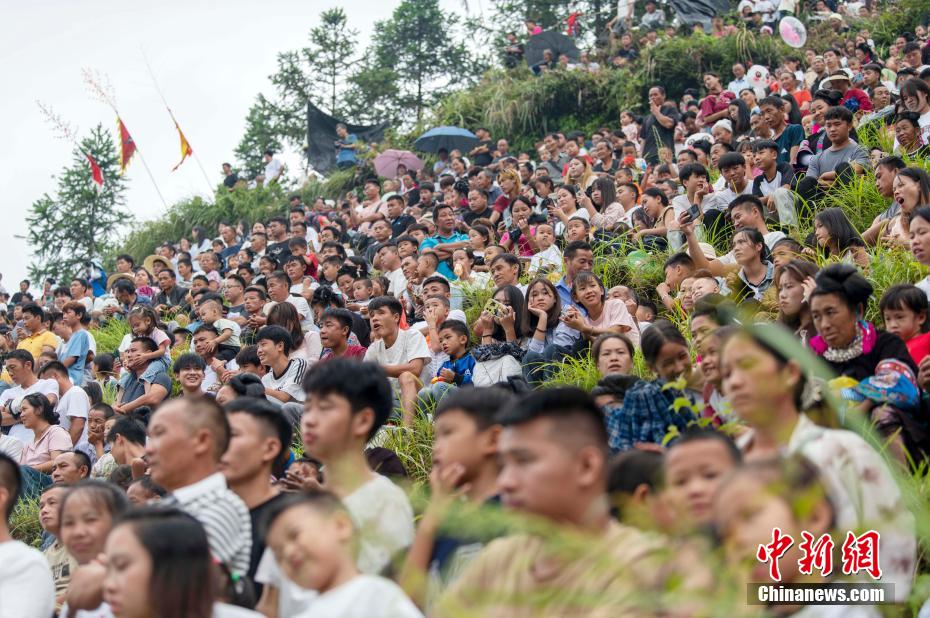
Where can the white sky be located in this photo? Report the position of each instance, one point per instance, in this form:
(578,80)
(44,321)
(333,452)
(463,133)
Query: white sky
(210,58)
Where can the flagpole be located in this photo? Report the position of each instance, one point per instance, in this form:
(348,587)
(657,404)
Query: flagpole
(107,96)
(206,177)
(151,177)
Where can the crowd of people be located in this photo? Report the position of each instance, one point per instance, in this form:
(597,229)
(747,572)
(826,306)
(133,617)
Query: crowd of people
(232,456)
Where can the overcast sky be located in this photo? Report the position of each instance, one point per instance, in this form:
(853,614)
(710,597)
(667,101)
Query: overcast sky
(210,58)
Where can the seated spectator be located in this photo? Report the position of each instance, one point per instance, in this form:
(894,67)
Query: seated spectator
(187,438)
(335,330)
(646,415)
(26,582)
(50,439)
(904,310)
(139,388)
(602,314)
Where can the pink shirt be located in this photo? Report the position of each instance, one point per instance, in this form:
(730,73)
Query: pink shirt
(615,313)
(55,438)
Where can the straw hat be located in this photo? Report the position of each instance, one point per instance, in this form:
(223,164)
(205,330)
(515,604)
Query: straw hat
(149,263)
(116,277)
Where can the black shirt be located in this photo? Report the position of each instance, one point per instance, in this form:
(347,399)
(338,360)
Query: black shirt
(174,298)
(231,180)
(887,346)
(257,514)
(470,216)
(484,159)
(400,224)
(612,169)
(651,126)
(278,251)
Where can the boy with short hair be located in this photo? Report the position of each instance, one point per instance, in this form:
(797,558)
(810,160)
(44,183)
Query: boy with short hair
(340,417)
(190,370)
(285,376)
(60,561)
(464,463)
(454,372)
(403,354)
(227,344)
(313,539)
(904,312)
(577,229)
(335,329)
(73,354)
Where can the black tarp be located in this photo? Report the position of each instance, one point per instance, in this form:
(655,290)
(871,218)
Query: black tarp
(696,11)
(550,39)
(321,135)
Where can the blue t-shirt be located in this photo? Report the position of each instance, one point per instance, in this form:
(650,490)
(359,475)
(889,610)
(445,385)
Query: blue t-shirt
(347,155)
(462,368)
(792,136)
(443,269)
(78,346)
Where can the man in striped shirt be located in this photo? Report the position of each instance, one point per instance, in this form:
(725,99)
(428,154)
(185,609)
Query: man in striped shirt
(187,437)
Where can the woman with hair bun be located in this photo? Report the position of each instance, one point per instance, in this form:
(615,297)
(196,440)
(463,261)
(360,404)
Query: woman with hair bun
(851,346)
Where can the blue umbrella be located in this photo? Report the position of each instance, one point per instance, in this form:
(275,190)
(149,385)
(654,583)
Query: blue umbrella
(449,138)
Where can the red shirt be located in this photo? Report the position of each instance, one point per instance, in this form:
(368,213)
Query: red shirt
(919,347)
(865,103)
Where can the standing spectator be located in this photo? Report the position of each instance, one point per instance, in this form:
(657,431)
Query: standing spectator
(346,145)
(73,403)
(273,167)
(661,120)
(230,178)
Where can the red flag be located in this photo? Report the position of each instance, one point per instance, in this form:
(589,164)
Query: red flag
(186,149)
(127,145)
(95,171)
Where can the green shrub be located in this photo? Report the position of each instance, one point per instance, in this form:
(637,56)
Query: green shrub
(24,524)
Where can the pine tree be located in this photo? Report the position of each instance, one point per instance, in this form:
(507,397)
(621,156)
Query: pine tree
(334,45)
(313,73)
(80,223)
(419,49)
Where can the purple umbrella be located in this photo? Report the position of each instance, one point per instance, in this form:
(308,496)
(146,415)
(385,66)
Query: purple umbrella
(387,162)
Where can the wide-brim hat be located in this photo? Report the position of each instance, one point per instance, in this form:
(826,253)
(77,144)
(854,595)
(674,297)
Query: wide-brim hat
(116,277)
(149,263)
(837,76)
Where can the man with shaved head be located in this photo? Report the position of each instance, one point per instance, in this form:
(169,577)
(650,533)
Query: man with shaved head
(187,438)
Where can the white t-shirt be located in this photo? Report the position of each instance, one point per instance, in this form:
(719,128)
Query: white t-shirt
(10,446)
(224,324)
(272,169)
(398,282)
(310,350)
(302,307)
(924,285)
(364,596)
(289,382)
(26,586)
(383,518)
(74,404)
(409,345)
(46,387)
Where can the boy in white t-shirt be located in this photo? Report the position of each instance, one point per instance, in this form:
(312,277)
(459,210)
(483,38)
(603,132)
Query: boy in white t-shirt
(312,536)
(340,417)
(403,354)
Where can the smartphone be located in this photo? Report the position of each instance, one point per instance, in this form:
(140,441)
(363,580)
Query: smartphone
(694,212)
